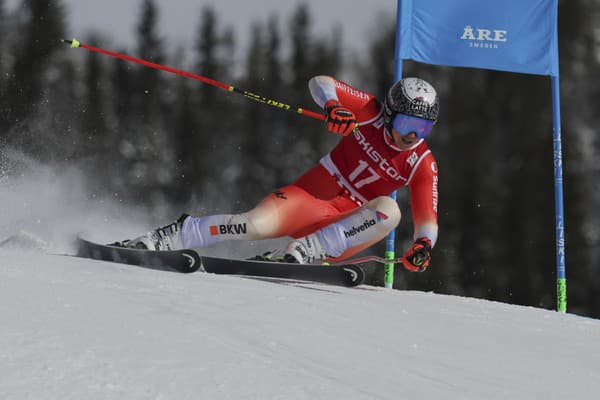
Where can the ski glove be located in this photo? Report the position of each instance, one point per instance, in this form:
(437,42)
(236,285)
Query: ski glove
(339,118)
(417,258)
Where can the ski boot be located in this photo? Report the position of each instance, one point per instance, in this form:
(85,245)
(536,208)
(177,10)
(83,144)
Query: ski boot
(167,237)
(306,250)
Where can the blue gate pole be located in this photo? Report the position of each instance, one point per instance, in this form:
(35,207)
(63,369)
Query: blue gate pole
(390,252)
(561,277)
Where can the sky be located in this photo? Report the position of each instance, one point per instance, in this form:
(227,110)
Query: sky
(179,18)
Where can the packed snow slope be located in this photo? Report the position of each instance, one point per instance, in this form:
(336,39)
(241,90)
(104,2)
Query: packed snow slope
(81,329)
(78,329)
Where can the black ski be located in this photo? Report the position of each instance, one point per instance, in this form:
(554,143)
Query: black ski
(340,275)
(189,261)
(178,260)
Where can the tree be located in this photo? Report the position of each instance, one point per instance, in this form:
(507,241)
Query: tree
(148,80)
(94,125)
(122,87)
(301,59)
(40,22)
(265,138)
(256,176)
(207,47)
(279,143)
(216,115)
(272,56)
(305,136)
(377,70)
(2,60)
(54,130)
(2,29)
(146,148)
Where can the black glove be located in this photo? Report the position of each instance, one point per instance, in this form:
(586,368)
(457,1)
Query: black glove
(339,118)
(417,258)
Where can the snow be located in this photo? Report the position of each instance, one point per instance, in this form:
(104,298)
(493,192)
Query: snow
(74,328)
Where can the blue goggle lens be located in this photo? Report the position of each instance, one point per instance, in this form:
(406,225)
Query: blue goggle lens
(405,124)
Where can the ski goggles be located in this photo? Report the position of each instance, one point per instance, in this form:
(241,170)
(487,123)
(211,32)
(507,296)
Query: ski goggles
(406,124)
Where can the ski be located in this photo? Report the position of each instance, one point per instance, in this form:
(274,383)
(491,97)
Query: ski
(184,261)
(340,275)
(187,261)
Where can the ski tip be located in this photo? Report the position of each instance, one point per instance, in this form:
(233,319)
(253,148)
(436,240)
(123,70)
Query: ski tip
(355,275)
(194,262)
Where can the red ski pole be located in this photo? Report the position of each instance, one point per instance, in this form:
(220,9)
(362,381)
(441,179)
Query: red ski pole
(249,95)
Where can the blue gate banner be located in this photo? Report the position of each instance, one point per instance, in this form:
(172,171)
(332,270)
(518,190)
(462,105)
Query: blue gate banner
(507,35)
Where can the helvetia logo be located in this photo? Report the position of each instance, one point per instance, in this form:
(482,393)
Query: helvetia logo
(232,229)
(484,38)
(381,216)
(356,230)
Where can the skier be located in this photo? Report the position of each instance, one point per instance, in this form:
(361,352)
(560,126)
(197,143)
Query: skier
(342,205)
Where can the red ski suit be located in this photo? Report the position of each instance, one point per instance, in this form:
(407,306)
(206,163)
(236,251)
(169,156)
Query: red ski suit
(361,167)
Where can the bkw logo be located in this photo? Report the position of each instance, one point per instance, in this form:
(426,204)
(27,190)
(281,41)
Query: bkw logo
(232,229)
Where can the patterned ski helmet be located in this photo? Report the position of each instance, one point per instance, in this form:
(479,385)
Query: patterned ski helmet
(414,97)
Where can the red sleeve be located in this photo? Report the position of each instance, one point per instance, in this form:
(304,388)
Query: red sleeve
(424,199)
(364,105)
(324,88)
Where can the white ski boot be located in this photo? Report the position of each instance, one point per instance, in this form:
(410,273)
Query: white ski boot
(306,250)
(165,238)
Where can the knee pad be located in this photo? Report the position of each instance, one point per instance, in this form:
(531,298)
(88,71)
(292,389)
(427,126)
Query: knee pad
(386,209)
(367,225)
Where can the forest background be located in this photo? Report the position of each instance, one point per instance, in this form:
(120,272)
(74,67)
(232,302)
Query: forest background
(171,144)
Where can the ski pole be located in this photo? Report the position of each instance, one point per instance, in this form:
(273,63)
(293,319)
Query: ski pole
(249,95)
(366,259)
